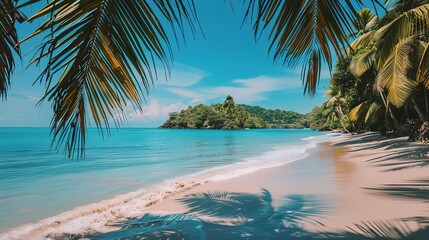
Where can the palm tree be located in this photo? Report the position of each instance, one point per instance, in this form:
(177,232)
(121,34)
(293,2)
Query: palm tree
(396,51)
(8,42)
(336,100)
(305,31)
(100,55)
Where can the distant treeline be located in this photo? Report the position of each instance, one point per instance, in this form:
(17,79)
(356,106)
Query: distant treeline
(230,115)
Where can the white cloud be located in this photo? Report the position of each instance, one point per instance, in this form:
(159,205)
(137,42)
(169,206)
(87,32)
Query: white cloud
(24,97)
(243,90)
(196,101)
(183,76)
(185,93)
(34,98)
(155,111)
(253,89)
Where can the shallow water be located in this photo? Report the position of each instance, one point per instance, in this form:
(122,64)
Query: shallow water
(36,182)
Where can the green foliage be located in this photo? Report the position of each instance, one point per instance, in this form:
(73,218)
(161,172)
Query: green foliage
(234,116)
(316,119)
(277,118)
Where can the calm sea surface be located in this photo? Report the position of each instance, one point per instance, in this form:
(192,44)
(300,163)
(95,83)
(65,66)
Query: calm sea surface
(37,182)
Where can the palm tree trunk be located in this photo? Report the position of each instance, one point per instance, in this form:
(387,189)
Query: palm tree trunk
(386,105)
(418,110)
(340,111)
(426,101)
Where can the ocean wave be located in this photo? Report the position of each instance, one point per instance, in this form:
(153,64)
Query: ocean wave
(102,216)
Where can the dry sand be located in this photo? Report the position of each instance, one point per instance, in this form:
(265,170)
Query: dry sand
(340,172)
(337,186)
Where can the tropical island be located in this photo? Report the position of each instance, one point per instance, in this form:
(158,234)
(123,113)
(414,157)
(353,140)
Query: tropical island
(230,115)
(97,62)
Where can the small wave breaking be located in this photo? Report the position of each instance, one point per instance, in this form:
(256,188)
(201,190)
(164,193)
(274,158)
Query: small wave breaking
(102,216)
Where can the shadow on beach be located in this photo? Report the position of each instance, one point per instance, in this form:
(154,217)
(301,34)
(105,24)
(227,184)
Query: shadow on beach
(242,215)
(398,153)
(223,215)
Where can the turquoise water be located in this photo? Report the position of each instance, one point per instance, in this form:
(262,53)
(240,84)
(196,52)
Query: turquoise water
(36,182)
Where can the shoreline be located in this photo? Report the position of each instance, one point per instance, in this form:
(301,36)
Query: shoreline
(331,173)
(102,215)
(343,182)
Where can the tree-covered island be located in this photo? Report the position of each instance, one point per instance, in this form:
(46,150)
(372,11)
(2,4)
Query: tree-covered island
(230,115)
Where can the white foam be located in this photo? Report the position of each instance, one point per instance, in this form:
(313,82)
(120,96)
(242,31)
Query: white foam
(99,217)
(279,156)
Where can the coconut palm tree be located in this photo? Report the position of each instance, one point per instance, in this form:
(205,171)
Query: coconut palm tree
(304,32)
(102,56)
(395,49)
(8,42)
(336,100)
(398,44)
(99,56)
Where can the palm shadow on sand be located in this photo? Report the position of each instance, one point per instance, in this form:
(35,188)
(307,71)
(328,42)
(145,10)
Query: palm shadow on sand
(223,215)
(226,215)
(401,154)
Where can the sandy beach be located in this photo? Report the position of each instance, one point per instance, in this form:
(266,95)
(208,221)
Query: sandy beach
(349,187)
(352,185)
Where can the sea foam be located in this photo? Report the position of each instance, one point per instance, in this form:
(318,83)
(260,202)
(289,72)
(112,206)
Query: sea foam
(102,216)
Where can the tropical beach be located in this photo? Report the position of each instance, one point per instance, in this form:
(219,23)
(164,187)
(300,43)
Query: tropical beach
(342,187)
(214,119)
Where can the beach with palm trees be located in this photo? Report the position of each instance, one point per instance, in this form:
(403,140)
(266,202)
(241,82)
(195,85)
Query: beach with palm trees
(353,187)
(276,160)
(364,186)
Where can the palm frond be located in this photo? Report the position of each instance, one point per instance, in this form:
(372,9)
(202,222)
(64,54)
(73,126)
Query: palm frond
(357,112)
(408,24)
(329,92)
(373,114)
(101,56)
(372,23)
(362,63)
(304,31)
(327,111)
(423,67)
(395,75)
(332,101)
(8,43)
(363,40)
(365,21)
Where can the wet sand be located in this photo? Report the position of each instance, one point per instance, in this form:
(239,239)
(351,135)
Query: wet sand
(342,174)
(345,189)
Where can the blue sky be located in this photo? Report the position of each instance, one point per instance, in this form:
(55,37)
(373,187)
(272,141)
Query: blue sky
(226,60)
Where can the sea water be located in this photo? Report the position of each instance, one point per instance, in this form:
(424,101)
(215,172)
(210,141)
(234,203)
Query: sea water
(36,182)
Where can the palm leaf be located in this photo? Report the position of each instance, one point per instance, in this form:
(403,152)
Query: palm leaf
(304,31)
(362,63)
(408,24)
(395,75)
(101,57)
(363,40)
(373,113)
(8,43)
(365,21)
(357,112)
(327,111)
(328,93)
(423,67)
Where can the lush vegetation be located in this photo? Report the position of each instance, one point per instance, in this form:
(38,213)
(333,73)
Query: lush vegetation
(232,116)
(97,56)
(381,82)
